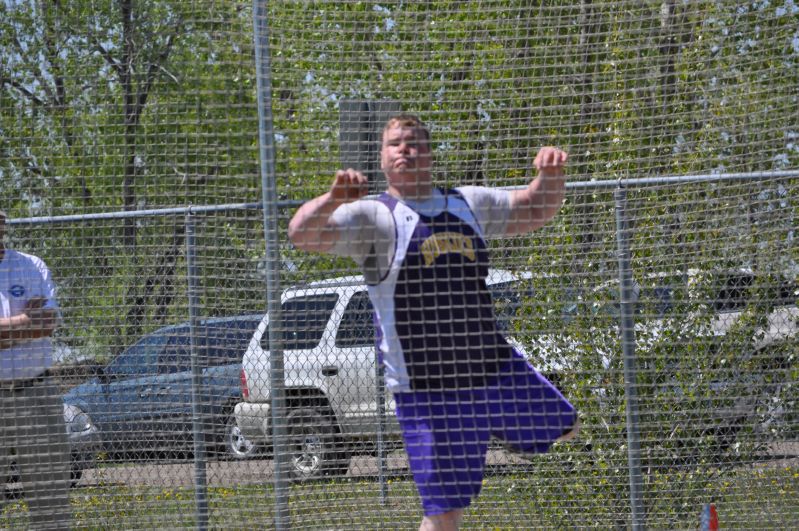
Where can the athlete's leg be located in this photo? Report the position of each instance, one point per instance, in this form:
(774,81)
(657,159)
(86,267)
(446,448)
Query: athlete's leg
(571,434)
(446,443)
(449,521)
(528,412)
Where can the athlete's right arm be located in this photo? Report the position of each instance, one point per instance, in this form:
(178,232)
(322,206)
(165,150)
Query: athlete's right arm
(312,227)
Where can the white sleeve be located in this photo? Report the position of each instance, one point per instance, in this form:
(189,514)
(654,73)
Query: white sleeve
(50,292)
(365,228)
(38,280)
(491,207)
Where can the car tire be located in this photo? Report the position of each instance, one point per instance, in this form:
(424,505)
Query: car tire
(235,445)
(315,449)
(75,473)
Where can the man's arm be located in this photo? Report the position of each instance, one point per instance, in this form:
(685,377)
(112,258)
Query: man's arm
(34,323)
(311,228)
(534,206)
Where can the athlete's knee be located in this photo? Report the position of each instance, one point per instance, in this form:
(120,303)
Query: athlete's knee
(571,434)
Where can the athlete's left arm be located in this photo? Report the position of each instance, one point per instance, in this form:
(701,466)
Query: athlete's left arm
(532,207)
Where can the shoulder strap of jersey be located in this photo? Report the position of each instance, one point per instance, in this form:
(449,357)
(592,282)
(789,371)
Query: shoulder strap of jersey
(454,192)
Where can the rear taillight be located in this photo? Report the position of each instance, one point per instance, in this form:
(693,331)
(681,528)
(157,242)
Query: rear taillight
(245,391)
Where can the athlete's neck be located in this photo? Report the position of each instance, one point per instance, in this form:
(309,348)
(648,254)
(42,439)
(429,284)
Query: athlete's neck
(417,194)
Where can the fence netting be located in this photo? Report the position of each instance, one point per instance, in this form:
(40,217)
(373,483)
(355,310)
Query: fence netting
(131,165)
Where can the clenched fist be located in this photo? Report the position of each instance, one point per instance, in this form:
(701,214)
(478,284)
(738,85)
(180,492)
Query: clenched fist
(550,162)
(349,185)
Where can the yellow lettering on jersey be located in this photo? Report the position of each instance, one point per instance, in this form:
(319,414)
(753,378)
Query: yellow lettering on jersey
(447,242)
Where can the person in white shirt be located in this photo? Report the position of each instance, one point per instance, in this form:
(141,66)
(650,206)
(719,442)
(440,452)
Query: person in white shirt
(31,409)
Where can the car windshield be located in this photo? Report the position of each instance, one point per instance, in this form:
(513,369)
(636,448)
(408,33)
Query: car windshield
(139,359)
(724,291)
(509,297)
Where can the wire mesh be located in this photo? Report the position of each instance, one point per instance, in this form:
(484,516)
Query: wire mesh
(117,117)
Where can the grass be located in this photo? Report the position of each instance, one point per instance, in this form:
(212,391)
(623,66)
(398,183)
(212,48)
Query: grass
(746,498)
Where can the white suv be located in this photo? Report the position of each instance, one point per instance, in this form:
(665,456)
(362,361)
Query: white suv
(330,373)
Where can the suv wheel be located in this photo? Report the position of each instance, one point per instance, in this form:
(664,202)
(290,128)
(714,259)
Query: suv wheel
(314,447)
(236,445)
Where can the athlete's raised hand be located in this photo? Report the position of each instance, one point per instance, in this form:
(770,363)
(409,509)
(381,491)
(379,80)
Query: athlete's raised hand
(349,185)
(550,162)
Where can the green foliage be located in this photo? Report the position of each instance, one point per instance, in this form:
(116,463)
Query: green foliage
(103,112)
(122,105)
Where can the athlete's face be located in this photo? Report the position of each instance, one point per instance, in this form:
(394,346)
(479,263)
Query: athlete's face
(406,160)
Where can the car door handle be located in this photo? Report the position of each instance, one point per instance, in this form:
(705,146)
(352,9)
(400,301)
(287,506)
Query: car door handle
(329,370)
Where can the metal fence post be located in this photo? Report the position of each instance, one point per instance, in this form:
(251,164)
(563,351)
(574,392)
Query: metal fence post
(266,138)
(380,399)
(198,416)
(360,138)
(628,349)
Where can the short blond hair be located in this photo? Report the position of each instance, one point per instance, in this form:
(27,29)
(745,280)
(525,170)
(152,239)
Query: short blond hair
(408,120)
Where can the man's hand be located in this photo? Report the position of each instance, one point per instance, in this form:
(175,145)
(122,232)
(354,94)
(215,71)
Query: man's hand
(34,322)
(550,162)
(311,228)
(42,320)
(35,303)
(349,185)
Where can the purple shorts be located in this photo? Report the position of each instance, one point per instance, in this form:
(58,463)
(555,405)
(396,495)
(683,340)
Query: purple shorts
(446,433)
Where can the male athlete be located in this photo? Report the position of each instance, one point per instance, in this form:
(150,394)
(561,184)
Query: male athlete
(455,379)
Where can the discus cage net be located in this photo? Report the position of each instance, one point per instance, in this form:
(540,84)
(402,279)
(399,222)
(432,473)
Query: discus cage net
(153,152)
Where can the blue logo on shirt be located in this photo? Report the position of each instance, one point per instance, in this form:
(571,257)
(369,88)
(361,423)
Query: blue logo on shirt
(17,290)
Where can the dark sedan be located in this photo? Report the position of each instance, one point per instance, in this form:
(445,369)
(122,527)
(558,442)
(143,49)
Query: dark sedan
(141,406)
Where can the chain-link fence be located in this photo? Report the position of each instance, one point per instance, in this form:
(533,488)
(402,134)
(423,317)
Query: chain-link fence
(154,151)
(713,371)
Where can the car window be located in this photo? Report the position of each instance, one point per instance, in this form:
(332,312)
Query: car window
(304,321)
(139,359)
(650,302)
(606,301)
(507,301)
(357,328)
(733,292)
(789,292)
(226,341)
(509,297)
(176,355)
(655,302)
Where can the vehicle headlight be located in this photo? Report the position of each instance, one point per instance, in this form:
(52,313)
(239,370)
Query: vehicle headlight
(76,420)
